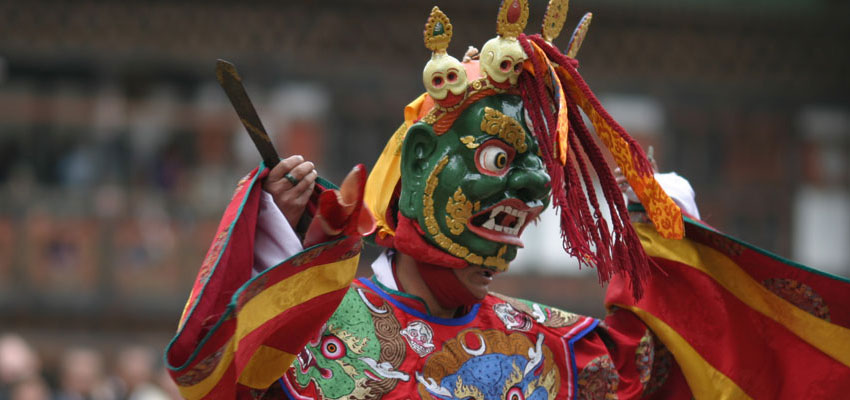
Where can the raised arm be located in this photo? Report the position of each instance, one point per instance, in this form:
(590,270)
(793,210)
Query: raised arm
(258,296)
(286,193)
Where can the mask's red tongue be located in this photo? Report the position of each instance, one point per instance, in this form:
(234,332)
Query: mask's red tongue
(508,221)
(445,286)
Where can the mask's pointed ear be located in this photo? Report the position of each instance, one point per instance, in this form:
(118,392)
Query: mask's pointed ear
(419,146)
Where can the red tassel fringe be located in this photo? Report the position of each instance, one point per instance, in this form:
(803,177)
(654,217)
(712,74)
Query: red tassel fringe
(584,228)
(642,164)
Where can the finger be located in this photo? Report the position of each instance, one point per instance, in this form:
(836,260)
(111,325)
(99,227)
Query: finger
(284,185)
(301,170)
(308,190)
(304,185)
(277,185)
(276,188)
(285,166)
(306,182)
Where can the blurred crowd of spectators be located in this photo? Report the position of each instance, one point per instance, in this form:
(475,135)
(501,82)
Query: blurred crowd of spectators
(82,373)
(105,192)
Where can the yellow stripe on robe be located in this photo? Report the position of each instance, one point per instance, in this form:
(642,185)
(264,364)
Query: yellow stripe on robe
(705,381)
(827,337)
(278,298)
(265,367)
(268,364)
(203,388)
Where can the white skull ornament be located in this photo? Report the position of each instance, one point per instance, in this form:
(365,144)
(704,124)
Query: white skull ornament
(444,74)
(501,60)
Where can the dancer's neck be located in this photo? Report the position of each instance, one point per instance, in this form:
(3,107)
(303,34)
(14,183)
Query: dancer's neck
(408,275)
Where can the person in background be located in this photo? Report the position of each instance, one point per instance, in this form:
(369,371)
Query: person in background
(82,376)
(18,363)
(34,388)
(135,368)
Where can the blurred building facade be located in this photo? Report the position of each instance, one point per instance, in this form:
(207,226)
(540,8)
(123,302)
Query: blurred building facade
(118,151)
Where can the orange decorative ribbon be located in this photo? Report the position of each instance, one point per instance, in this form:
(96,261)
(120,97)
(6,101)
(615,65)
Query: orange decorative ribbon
(660,208)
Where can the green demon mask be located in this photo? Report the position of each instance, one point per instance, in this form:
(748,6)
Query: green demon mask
(474,188)
(471,175)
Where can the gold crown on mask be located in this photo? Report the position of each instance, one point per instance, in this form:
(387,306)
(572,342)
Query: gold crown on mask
(453,85)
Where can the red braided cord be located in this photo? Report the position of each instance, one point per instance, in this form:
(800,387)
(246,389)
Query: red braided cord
(599,235)
(567,193)
(628,254)
(642,164)
(575,195)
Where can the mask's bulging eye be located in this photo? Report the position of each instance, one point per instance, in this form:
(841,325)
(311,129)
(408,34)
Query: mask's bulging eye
(332,347)
(494,157)
(515,393)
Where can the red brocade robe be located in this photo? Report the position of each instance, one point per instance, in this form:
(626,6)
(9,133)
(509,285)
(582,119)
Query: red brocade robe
(719,319)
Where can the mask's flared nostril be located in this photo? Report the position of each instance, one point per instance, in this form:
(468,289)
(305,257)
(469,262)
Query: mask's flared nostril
(529,185)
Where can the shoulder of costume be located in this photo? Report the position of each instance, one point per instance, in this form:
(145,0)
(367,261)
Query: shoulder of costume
(540,314)
(501,298)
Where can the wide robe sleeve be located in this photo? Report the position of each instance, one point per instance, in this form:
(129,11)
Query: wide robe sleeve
(240,328)
(739,322)
(622,359)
